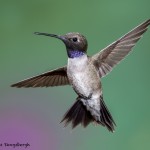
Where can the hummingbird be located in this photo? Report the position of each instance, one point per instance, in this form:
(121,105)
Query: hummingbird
(84,74)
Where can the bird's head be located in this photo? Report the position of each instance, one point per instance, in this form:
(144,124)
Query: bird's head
(76,44)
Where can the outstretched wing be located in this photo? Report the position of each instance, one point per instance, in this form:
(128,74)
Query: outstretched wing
(110,56)
(55,77)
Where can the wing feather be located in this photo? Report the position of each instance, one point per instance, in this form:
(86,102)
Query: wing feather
(55,77)
(110,56)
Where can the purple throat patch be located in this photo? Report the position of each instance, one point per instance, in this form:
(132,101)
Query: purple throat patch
(75,53)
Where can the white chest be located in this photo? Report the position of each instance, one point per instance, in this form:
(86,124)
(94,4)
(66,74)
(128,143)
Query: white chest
(83,76)
(76,65)
(77,73)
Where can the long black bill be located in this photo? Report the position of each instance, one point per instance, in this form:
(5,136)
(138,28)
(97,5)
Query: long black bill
(62,38)
(46,34)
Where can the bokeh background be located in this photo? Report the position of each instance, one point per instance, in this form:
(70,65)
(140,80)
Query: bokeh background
(33,115)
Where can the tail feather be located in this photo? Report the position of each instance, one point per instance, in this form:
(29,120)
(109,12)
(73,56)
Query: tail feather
(78,113)
(106,117)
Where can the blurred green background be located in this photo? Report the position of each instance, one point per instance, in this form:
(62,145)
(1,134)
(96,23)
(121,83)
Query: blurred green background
(33,115)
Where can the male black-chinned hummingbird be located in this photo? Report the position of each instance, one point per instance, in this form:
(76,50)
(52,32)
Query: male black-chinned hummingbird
(84,72)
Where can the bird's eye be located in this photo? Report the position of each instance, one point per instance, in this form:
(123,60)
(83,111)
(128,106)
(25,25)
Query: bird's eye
(74,39)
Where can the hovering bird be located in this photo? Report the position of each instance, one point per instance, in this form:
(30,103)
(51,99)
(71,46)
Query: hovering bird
(83,73)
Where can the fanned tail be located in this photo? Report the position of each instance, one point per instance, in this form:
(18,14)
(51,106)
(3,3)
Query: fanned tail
(78,114)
